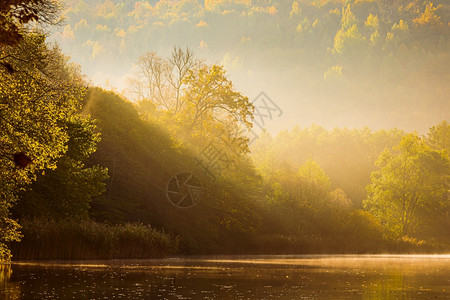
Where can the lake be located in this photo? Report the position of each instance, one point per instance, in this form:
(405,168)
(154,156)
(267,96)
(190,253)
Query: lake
(236,277)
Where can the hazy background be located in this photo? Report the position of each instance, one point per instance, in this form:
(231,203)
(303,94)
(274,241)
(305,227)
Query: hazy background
(321,62)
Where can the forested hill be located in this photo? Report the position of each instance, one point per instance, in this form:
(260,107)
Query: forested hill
(90,173)
(349,63)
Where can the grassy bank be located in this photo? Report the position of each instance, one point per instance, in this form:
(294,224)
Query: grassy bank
(290,244)
(46,239)
(86,239)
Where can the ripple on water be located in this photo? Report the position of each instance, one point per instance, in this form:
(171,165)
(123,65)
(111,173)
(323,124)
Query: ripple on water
(308,277)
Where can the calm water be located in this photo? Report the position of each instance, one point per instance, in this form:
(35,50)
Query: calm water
(270,277)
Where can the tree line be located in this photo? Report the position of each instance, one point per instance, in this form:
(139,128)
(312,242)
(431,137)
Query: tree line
(79,155)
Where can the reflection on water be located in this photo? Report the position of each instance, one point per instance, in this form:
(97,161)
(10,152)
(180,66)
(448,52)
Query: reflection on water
(8,288)
(272,277)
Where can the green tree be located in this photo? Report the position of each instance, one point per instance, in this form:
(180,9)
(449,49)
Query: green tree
(67,191)
(142,157)
(315,174)
(412,177)
(38,91)
(439,136)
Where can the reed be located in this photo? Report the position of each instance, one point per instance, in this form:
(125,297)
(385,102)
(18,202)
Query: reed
(46,239)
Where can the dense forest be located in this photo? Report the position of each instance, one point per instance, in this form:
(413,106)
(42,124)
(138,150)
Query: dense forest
(88,173)
(345,63)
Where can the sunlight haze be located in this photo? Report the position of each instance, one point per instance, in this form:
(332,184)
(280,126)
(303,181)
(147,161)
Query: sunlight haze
(304,54)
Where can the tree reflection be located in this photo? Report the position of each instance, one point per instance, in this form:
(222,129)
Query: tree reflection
(8,289)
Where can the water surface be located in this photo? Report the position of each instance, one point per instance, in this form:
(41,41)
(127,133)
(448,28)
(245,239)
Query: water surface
(257,277)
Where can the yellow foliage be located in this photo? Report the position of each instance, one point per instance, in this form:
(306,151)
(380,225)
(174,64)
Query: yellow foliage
(348,18)
(401,26)
(245,39)
(107,9)
(202,24)
(102,28)
(272,10)
(295,9)
(375,38)
(335,11)
(350,39)
(142,10)
(121,33)
(316,23)
(372,21)
(428,17)
(333,72)
(68,33)
(81,25)
(211,4)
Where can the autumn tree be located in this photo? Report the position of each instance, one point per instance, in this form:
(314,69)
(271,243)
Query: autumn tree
(348,39)
(210,94)
(372,24)
(429,17)
(193,96)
